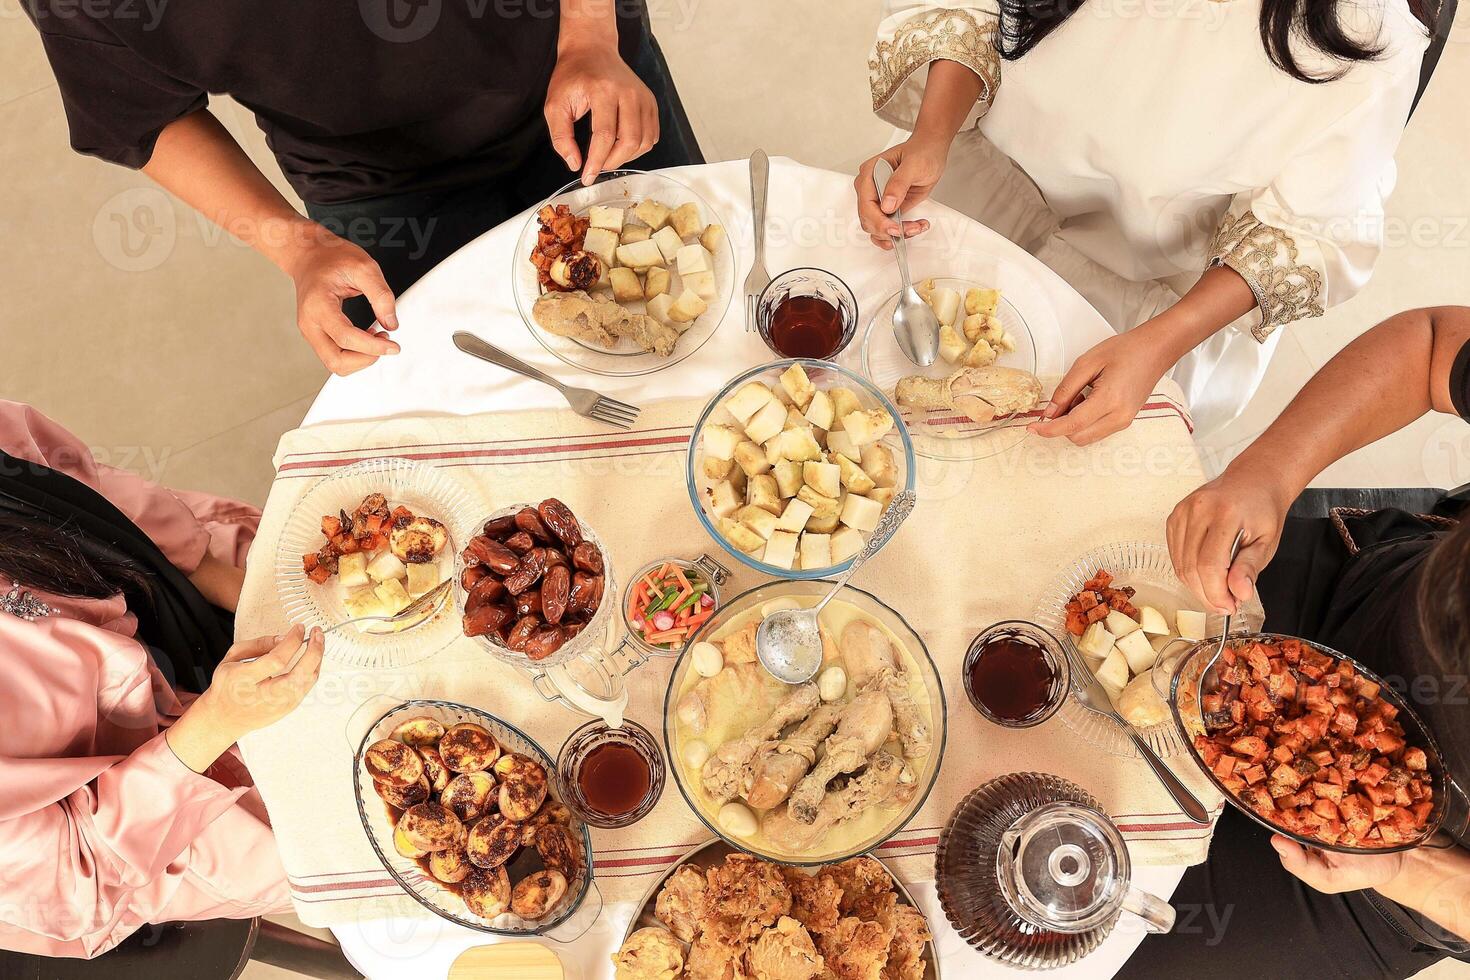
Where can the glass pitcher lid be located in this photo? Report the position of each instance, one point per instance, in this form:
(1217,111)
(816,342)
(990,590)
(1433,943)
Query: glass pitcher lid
(1063,866)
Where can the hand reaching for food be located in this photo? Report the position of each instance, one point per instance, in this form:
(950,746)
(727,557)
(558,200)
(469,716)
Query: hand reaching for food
(1121,373)
(327,271)
(590,77)
(1203,526)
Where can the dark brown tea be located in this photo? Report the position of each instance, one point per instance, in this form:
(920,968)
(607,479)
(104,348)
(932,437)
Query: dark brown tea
(1011,678)
(614,779)
(805,326)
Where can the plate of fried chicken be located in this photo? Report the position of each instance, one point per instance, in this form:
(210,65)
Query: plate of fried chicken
(720,913)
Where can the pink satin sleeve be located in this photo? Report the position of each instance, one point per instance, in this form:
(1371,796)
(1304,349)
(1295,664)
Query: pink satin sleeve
(27,434)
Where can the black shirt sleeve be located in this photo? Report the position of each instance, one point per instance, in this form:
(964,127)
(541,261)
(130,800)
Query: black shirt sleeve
(1460,382)
(116,101)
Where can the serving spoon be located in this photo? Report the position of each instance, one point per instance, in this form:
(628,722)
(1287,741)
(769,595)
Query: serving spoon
(914,324)
(418,607)
(788,643)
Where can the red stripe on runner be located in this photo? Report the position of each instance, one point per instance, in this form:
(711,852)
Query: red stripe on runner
(489,442)
(496,453)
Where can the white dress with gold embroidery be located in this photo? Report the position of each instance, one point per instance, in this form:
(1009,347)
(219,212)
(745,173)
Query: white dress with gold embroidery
(1163,141)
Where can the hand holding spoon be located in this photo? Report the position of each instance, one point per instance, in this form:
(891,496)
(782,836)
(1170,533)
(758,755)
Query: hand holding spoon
(914,324)
(788,643)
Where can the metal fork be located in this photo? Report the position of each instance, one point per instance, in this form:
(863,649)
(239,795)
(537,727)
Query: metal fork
(759,278)
(584,401)
(418,607)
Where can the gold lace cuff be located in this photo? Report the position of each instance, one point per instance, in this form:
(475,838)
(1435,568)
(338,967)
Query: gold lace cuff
(1267,259)
(936,35)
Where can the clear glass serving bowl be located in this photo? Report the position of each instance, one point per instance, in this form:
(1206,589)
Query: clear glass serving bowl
(824,374)
(423,887)
(808,593)
(623,188)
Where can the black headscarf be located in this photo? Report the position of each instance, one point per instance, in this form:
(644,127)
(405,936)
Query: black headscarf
(186,635)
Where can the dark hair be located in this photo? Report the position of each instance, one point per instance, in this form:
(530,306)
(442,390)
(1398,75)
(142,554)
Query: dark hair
(38,556)
(1444,599)
(1025,23)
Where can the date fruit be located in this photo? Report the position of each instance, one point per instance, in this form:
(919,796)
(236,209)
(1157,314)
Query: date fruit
(500,528)
(587,557)
(585,594)
(486,619)
(528,603)
(527,571)
(558,517)
(485,591)
(520,542)
(493,555)
(528,520)
(544,642)
(522,631)
(556,588)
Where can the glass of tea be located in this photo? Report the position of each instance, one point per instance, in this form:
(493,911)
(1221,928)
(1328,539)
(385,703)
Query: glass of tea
(610,777)
(807,313)
(1016,674)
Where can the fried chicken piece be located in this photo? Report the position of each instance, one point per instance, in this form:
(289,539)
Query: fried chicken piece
(712,958)
(814,899)
(784,952)
(906,951)
(680,903)
(856,950)
(649,954)
(744,896)
(648,332)
(867,887)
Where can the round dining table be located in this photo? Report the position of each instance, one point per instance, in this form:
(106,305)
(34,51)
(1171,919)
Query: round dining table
(811,222)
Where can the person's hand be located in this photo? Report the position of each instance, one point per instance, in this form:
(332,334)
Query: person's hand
(328,270)
(917,163)
(1203,526)
(592,77)
(1121,372)
(218,581)
(255,685)
(1333,873)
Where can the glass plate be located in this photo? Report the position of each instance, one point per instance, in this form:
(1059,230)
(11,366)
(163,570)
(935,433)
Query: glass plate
(424,490)
(1145,566)
(946,434)
(427,890)
(623,188)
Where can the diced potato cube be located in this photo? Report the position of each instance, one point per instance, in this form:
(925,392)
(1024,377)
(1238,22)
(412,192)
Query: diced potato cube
(386,566)
(758,519)
(686,221)
(780,549)
(1138,651)
(868,427)
(635,233)
(854,477)
(751,398)
(981,355)
(846,542)
(795,420)
(839,443)
(702,284)
(800,445)
(788,477)
(884,495)
(946,304)
(844,402)
(861,512)
(625,285)
(1191,624)
(668,242)
(1120,625)
(816,550)
(692,258)
(772,448)
(422,578)
(824,523)
(825,509)
(605,217)
(982,301)
(712,238)
(819,411)
(723,499)
(762,492)
(661,306)
(794,516)
(363,602)
(766,422)
(652,213)
(640,255)
(717,469)
(781,394)
(744,538)
(352,570)
(657,283)
(603,244)
(952,346)
(1096,641)
(393,596)
(687,307)
(720,441)
(1152,622)
(737,479)
(974,327)
(1114,673)
(825,478)
(877,462)
(752,458)
(798,386)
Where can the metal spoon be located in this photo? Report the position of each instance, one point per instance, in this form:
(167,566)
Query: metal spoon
(423,604)
(914,323)
(788,642)
(1204,676)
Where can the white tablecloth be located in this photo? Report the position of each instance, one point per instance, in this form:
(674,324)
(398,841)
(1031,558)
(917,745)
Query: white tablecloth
(811,222)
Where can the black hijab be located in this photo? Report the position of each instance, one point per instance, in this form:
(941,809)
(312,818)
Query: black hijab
(186,635)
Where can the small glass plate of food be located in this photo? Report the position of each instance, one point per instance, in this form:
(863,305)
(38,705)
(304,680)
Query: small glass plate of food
(367,541)
(788,921)
(1121,609)
(977,397)
(626,277)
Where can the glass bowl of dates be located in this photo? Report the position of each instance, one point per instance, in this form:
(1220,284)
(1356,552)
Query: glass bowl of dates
(1309,743)
(535,585)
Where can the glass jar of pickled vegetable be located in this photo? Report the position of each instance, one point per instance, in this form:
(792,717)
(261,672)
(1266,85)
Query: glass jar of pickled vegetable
(666,601)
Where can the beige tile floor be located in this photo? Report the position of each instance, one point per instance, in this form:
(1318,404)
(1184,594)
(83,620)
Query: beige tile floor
(176,353)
